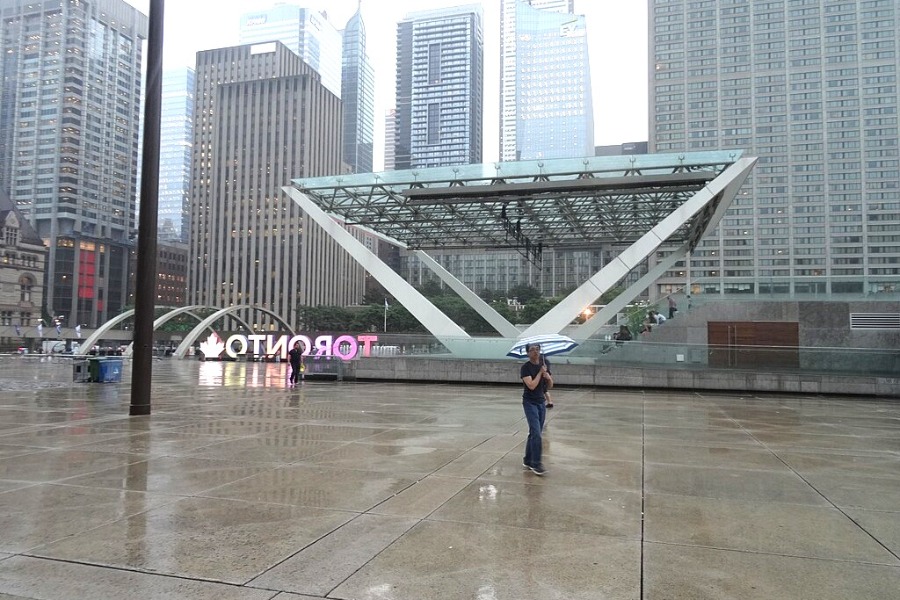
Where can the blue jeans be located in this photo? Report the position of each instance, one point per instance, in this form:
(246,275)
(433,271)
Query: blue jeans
(534,414)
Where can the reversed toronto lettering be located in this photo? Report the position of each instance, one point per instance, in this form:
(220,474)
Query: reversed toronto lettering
(345,347)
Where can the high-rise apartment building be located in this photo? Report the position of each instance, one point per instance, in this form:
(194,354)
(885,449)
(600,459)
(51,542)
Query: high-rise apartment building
(70,73)
(439,93)
(546,106)
(811,88)
(262,118)
(307,32)
(358,95)
(176,127)
(390,138)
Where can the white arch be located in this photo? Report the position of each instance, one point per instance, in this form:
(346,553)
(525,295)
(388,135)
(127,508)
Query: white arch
(205,323)
(98,334)
(178,311)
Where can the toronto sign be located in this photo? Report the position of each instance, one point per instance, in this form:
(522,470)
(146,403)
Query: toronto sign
(345,347)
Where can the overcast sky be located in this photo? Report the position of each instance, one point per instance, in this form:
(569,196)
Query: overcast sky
(617,34)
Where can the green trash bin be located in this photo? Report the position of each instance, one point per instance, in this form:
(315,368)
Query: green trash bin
(94,368)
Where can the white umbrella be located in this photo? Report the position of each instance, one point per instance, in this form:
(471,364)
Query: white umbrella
(551,343)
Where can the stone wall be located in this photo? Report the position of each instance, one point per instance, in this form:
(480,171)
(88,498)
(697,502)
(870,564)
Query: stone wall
(457,371)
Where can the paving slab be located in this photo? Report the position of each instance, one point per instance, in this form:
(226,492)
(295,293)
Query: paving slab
(239,486)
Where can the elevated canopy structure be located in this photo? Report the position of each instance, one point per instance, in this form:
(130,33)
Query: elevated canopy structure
(640,201)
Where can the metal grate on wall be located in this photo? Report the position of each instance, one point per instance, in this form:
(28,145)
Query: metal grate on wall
(874,320)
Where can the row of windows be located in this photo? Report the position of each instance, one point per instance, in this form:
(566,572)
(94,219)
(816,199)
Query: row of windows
(7,318)
(797,272)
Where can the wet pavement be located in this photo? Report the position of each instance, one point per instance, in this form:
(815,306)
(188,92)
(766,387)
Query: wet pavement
(239,486)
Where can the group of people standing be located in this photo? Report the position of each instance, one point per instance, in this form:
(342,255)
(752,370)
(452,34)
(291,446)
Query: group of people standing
(657,318)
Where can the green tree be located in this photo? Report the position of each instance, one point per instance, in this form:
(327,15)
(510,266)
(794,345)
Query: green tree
(610,295)
(524,293)
(324,318)
(536,309)
(368,318)
(431,289)
(462,314)
(399,320)
(491,296)
(504,310)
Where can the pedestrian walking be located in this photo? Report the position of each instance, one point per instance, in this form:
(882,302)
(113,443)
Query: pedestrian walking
(533,373)
(295,356)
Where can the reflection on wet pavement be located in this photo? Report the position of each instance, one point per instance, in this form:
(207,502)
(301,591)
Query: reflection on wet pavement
(239,486)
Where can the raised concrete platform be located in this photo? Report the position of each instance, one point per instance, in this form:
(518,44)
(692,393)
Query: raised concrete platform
(238,486)
(618,375)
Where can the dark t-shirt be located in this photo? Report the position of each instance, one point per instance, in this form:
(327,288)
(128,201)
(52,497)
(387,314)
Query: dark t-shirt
(529,369)
(546,362)
(294,355)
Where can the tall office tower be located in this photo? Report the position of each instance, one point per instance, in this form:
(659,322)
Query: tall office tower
(390,138)
(546,106)
(440,64)
(176,134)
(307,32)
(358,95)
(811,88)
(262,118)
(69,115)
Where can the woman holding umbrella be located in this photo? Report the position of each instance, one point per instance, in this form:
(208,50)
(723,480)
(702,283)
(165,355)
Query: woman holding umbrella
(534,376)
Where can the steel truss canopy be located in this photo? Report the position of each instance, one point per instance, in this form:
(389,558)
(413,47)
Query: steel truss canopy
(527,205)
(637,203)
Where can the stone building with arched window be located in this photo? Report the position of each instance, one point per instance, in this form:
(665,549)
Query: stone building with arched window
(22,259)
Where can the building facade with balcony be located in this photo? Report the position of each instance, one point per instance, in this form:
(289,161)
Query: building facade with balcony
(811,88)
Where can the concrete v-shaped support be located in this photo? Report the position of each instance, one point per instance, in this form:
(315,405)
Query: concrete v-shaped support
(726,186)
(495,319)
(439,324)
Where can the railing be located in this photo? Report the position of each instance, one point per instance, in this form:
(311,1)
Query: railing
(645,353)
(701,299)
(321,366)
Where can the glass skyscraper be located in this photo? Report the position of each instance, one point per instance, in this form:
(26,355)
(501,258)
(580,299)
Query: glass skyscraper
(546,106)
(546,111)
(69,116)
(811,88)
(439,94)
(358,95)
(176,131)
(307,32)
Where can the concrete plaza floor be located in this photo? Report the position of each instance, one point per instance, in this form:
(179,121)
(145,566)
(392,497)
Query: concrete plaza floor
(238,486)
